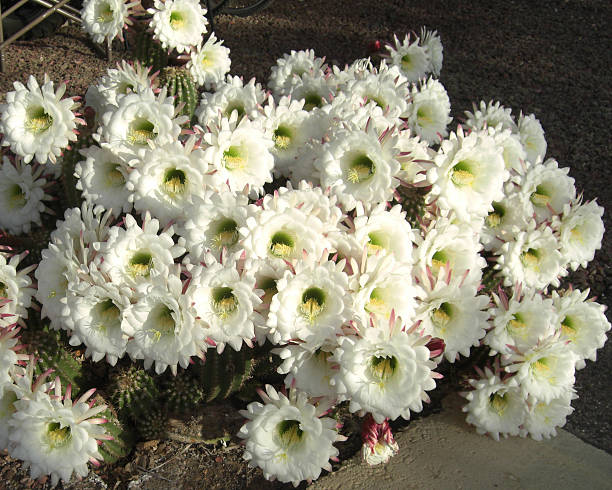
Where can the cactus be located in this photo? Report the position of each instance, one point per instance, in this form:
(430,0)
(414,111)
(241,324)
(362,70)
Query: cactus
(149,51)
(72,196)
(133,390)
(181,392)
(123,438)
(153,424)
(224,374)
(413,202)
(179,83)
(49,347)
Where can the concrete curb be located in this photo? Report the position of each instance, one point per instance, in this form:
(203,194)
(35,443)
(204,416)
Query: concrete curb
(442,451)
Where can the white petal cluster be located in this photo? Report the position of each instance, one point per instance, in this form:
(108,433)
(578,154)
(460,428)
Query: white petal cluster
(210,62)
(178,24)
(36,122)
(105,19)
(419,57)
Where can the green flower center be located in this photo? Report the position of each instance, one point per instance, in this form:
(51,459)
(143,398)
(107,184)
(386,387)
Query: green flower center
(289,433)
(226,233)
(569,327)
(377,241)
(105,13)
(16,197)
(3,290)
(224,302)
(498,403)
(108,315)
(540,197)
(58,436)
(141,131)
(114,177)
(281,245)
(237,106)
(37,120)
(442,316)
(440,259)
(7,404)
(164,324)
(531,258)
(542,367)
(462,174)
(312,100)
(495,217)
(406,62)
(124,87)
(174,182)
(283,136)
(234,158)
(313,303)
(378,101)
(177,20)
(517,326)
(140,264)
(383,367)
(424,116)
(362,168)
(377,304)
(268,284)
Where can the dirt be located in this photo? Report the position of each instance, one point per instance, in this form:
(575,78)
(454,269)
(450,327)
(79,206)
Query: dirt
(550,58)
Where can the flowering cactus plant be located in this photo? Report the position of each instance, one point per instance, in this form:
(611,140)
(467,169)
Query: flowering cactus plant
(335,222)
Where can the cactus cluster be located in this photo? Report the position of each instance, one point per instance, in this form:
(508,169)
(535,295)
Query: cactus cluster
(181,85)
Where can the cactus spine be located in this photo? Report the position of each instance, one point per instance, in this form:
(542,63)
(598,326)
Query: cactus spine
(179,84)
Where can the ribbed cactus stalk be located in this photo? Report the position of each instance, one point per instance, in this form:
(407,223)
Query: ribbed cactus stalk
(71,196)
(122,436)
(179,83)
(181,392)
(50,348)
(133,390)
(413,202)
(153,424)
(149,51)
(222,375)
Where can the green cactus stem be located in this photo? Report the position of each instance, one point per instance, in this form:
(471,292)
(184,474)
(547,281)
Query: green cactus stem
(123,437)
(133,390)
(179,84)
(149,51)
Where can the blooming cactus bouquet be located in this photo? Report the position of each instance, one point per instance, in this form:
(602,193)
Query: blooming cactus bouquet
(330,234)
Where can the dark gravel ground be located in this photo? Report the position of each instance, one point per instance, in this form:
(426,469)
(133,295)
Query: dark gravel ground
(550,58)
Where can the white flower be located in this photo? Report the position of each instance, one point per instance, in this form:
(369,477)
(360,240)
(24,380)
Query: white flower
(166,180)
(548,188)
(520,322)
(178,24)
(542,419)
(533,259)
(581,230)
(307,370)
(316,90)
(9,357)
(224,299)
(105,19)
(490,115)
(162,326)
(432,43)
(54,435)
(37,122)
(232,95)
(210,62)
(495,407)
(455,244)
(15,290)
(359,166)
(212,224)
(468,175)
(583,323)
(288,438)
(132,254)
(291,67)
(508,217)
(94,314)
(284,235)
(546,371)
(532,137)
(102,179)
(312,304)
(378,442)
(127,77)
(383,286)
(240,154)
(512,149)
(413,60)
(429,111)
(385,371)
(453,311)
(140,118)
(21,196)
